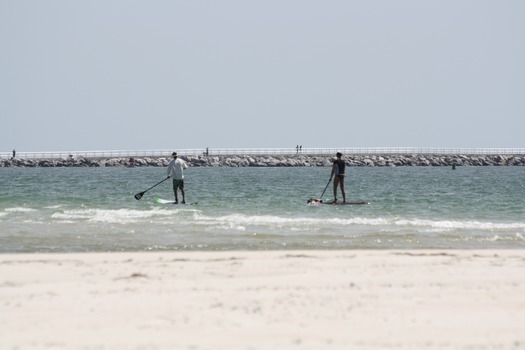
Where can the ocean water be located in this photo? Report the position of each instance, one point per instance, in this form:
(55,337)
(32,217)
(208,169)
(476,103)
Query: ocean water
(93,209)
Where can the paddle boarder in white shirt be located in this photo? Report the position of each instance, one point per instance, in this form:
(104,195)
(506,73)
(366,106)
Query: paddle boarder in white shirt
(175,171)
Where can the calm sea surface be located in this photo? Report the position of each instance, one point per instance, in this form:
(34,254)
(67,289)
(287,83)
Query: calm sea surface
(93,209)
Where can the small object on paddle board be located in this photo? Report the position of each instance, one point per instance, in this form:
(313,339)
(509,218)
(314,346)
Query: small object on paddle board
(314,201)
(166,201)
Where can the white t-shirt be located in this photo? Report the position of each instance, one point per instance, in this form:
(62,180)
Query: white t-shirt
(175,169)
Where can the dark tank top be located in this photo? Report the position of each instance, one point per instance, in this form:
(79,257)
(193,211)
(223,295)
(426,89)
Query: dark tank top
(340,169)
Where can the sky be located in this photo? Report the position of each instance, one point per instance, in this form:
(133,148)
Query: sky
(186,74)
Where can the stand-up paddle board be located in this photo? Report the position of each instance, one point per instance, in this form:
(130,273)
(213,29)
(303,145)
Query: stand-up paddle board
(345,203)
(166,201)
(315,201)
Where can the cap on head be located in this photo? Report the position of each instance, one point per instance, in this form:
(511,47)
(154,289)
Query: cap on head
(174,154)
(339,154)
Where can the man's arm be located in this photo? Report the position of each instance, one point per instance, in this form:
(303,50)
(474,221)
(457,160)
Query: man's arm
(170,167)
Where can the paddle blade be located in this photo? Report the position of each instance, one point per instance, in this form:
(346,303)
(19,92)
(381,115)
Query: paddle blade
(139,195)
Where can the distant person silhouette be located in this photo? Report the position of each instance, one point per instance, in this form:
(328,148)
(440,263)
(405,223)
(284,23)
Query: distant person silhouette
(14,154)
(338,172)
(175,171)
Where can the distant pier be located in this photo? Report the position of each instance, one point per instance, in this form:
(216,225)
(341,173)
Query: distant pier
(291,151)
(273,157)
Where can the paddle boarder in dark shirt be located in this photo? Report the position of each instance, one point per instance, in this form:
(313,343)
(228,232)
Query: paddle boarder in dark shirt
(338,172)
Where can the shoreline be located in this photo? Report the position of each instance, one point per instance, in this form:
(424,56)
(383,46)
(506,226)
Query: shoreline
(298,160)
(339,299)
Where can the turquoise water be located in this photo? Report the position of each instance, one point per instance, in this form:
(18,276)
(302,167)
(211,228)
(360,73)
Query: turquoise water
(93,209)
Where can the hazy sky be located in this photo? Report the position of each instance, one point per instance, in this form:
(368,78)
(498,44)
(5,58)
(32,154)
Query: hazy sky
(179,74)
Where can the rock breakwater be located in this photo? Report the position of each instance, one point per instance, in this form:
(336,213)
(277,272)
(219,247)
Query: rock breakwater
(388,160)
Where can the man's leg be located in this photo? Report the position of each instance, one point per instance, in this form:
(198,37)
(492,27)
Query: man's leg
(342,183)
(175,185)
(181,188)
(336,183)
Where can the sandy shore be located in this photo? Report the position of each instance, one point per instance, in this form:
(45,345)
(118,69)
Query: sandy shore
(443,299)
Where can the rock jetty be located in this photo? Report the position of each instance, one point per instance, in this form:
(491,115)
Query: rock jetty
(385,160)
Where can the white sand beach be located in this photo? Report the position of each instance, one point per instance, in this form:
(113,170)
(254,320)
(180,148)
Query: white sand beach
(437,299)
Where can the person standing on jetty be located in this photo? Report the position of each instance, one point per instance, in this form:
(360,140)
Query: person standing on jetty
(175,171)
(338,172)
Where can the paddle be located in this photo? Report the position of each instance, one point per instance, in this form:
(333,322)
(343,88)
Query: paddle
(325,188)
(140,194)
(317,201)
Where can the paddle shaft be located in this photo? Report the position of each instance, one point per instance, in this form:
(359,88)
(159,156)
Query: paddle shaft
(326,187)
(140,194)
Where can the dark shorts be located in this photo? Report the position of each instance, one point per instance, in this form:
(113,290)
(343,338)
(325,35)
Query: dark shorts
(178,184)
